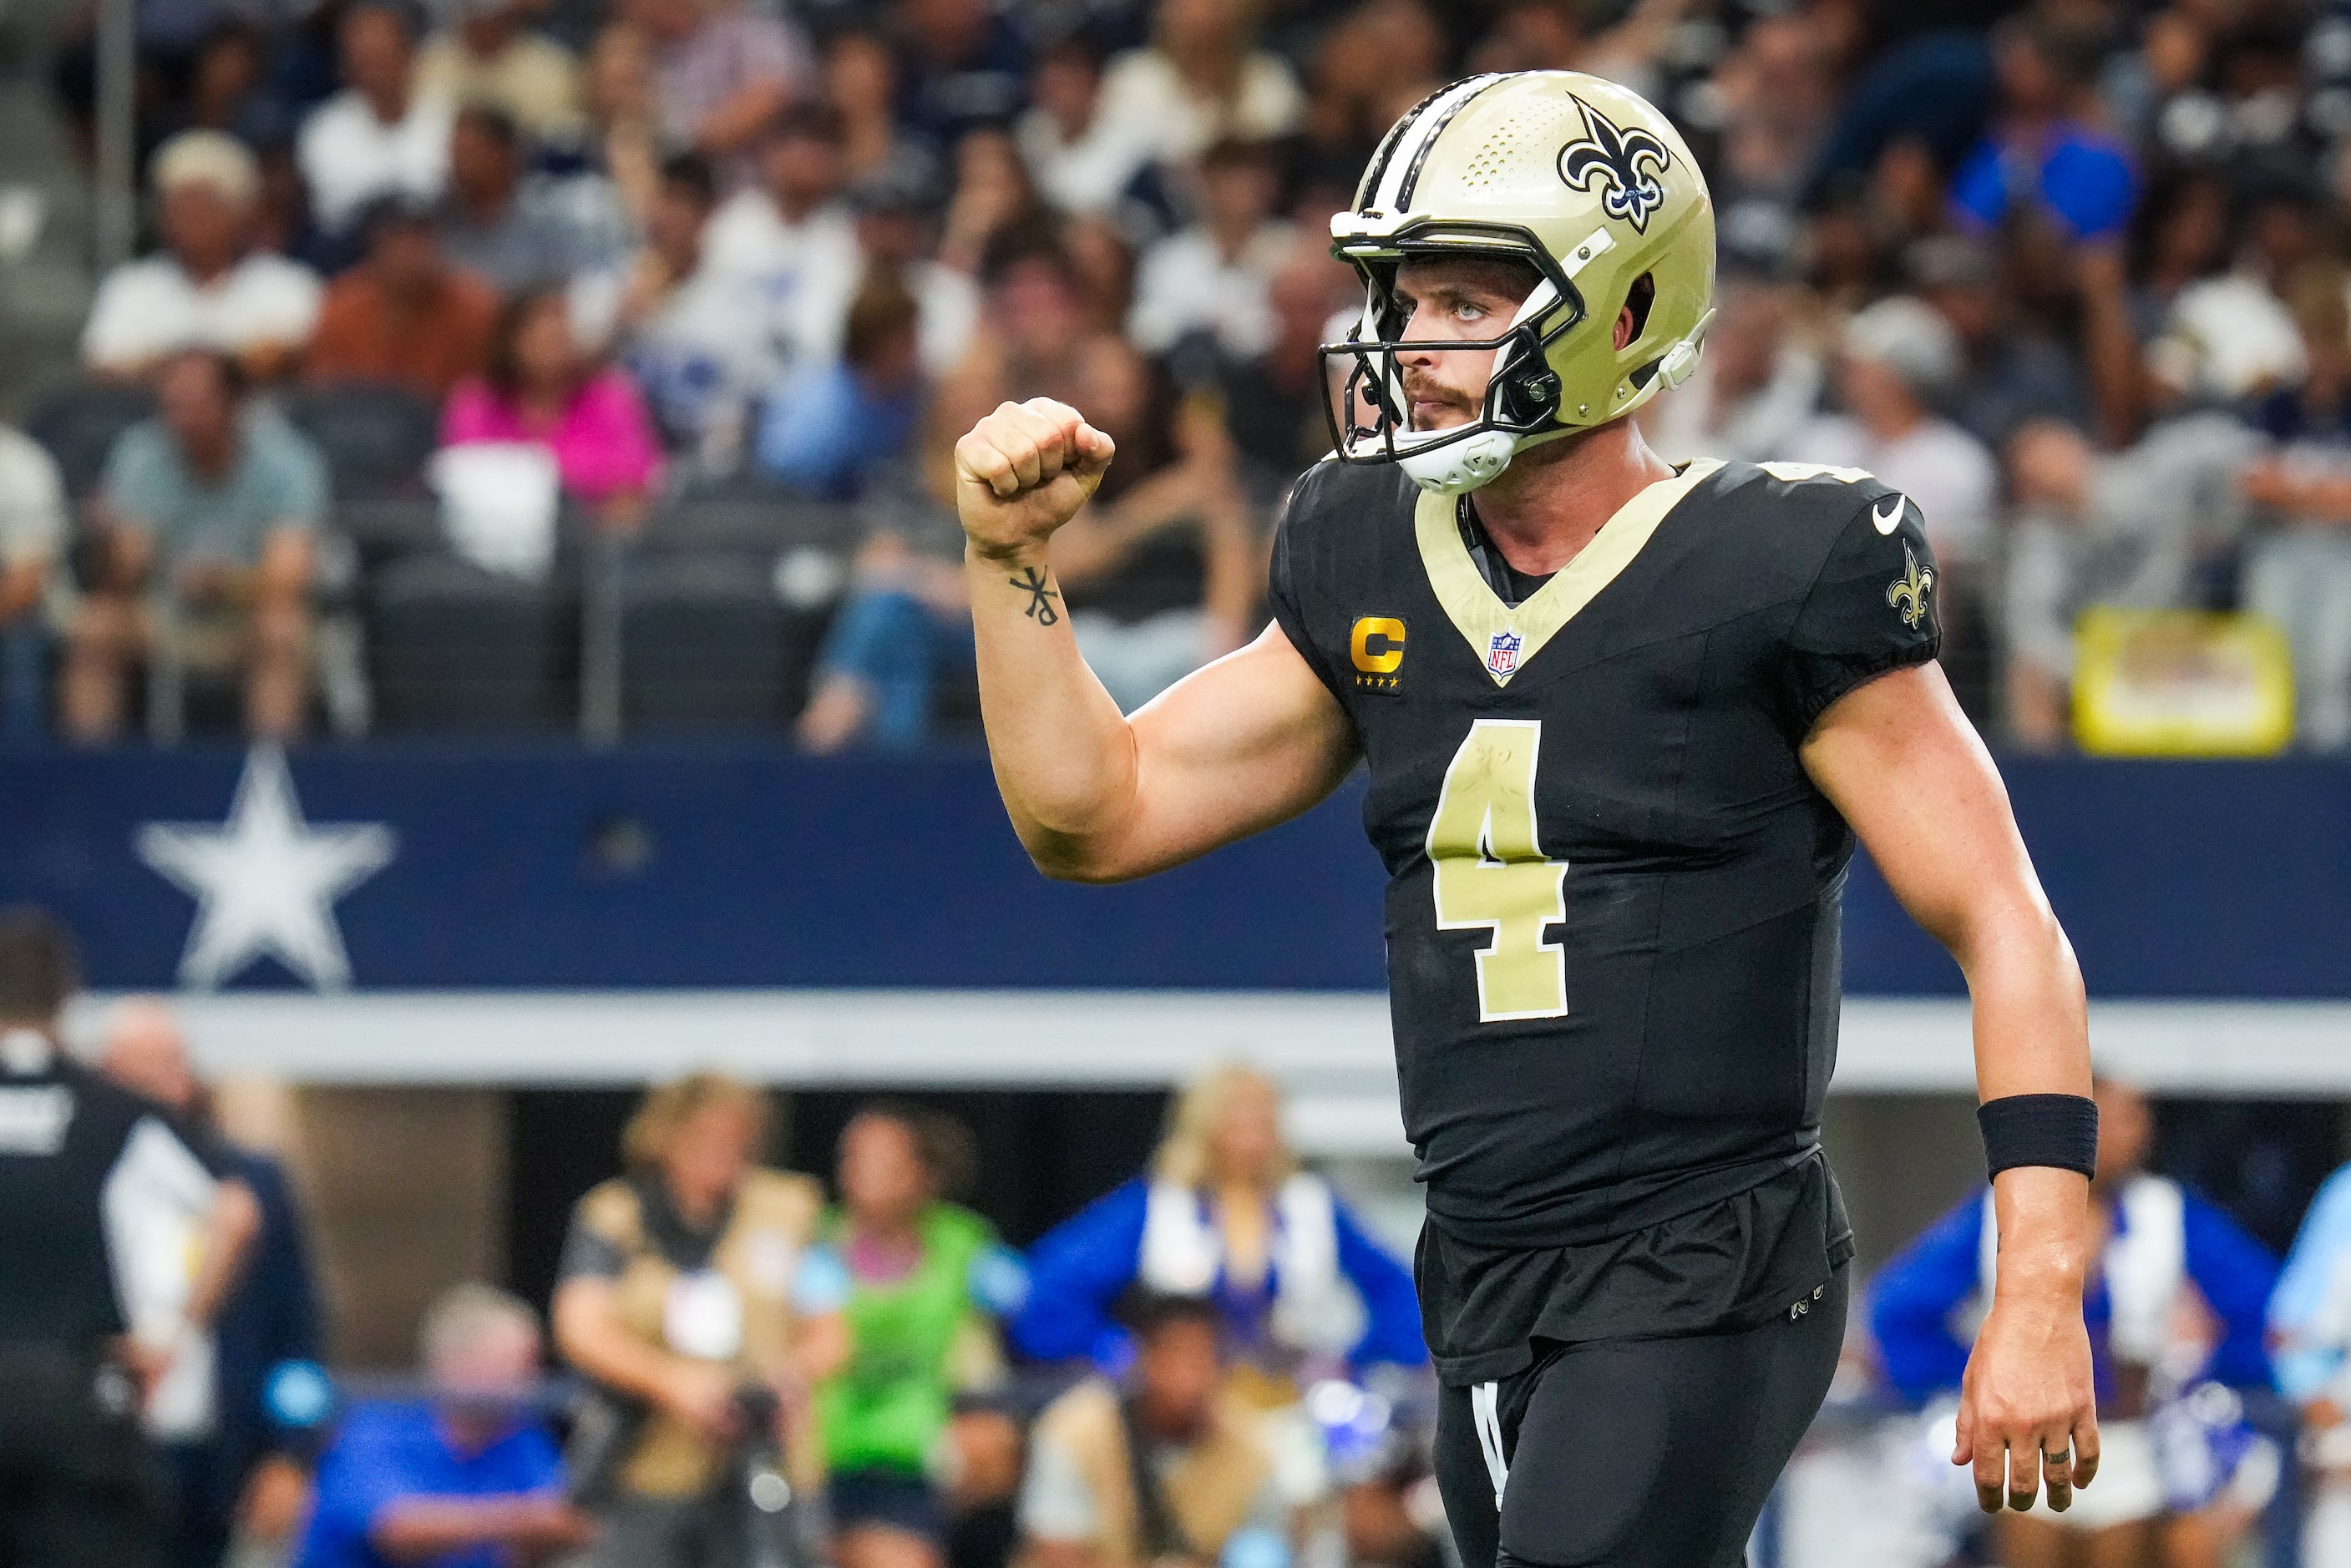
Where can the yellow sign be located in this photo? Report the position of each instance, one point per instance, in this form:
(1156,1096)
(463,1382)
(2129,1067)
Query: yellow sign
(2182,683)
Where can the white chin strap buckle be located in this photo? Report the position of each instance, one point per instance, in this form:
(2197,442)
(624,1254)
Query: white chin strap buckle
(1459,467)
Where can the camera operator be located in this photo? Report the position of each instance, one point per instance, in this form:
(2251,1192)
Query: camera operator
(92,1178)
(691,1294)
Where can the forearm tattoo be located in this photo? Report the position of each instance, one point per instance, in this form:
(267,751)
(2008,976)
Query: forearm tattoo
(1041,608)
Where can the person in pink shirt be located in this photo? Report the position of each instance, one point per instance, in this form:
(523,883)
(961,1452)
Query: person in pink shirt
(541,388)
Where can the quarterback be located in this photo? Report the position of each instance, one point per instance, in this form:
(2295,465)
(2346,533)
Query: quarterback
(1623,724)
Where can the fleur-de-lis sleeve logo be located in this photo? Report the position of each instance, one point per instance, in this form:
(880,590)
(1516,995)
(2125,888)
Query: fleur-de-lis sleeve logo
(1626,163)
(1907,593)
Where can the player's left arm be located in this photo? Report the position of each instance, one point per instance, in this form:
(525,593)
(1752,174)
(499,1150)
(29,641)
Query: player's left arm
(1903,764)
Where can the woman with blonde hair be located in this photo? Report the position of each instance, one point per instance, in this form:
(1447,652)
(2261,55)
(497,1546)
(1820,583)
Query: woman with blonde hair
(692,1290)
(1226,1214)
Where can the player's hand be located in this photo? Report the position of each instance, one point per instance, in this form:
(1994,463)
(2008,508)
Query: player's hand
(1023,472)
(2027,1395)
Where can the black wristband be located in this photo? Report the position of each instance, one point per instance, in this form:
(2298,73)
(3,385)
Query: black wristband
(2060,1130)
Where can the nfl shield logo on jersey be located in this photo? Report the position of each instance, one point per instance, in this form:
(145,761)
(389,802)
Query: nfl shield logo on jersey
(1502,654)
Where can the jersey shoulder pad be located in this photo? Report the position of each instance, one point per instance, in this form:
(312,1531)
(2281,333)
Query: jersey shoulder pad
(1334,495)
(1792,516)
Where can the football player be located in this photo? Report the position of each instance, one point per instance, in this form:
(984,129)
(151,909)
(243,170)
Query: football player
(1623,723)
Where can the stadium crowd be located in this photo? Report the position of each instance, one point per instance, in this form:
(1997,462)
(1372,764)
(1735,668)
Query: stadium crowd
(442,304)
(1214,1363)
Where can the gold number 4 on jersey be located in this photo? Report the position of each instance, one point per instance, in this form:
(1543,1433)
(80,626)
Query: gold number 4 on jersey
(1490,870)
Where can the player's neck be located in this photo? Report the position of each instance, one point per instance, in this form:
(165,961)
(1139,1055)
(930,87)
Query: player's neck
(1546,506)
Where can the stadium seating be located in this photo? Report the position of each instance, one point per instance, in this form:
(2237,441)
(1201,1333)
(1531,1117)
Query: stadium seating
(78,423)
(705,644)
(376,440)
(455,647)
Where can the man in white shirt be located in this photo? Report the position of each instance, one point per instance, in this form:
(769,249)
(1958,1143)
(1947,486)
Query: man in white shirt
(208,288)
(790,235)
(1211,278)
(380,136)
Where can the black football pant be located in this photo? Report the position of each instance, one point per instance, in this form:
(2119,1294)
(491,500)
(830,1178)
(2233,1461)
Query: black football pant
(1634,1453)
(77,1483)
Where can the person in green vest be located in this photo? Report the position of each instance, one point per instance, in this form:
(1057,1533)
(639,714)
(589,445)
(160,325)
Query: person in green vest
(927,1279)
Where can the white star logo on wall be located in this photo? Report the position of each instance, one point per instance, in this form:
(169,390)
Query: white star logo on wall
(266,881)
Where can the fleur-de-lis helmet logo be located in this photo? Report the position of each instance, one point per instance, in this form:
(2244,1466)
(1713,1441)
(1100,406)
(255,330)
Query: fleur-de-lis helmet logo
(1907,595)
(1626,163)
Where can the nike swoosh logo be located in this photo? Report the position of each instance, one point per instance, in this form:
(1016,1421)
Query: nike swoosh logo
(1887,522)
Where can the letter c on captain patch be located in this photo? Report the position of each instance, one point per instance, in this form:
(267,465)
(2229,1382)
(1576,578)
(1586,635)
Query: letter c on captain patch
(1377,644)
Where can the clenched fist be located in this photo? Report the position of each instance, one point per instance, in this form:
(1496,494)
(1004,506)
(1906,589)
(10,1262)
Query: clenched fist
(1023,472)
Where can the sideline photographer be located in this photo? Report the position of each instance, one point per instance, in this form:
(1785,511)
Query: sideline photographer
(690,1293)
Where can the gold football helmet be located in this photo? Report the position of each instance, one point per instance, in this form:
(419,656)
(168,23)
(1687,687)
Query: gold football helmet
(1585,180)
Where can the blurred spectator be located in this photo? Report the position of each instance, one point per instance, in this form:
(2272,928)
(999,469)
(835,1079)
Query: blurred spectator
(993,197)
(622,139)
(1162,1469)
(1273,398)
(471,1475)
(907,618)
(209,288)
(381,135)
(894,235)
(105,1200)
(680,325)
(1164,571)
(2009,373)
(215,501)
(1081,158)
(861,85)
(229,88)
(2136,529)
(513,232)
(1203,80)
(32,592)
(925,1276)
(404,316)
(1896,362)
(486,54)
(1226,1216)
(1209,280)
(722,72)
(790,235)
(539,388)
(2175,1303)
(682,1284)
(2310,1326)
(2298,573)
(965,63)
(828,425)
(1755,387)
(2046,154)
(231,1472)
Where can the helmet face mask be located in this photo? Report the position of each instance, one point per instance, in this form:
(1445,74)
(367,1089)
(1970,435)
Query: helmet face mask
(1364,400)
(1583,180)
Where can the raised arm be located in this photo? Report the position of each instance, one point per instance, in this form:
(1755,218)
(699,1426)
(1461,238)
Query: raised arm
(1096,797)
(1907,769)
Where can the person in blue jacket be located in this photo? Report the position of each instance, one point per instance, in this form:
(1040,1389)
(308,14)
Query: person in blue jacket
(2170,1439)
(1225,1213)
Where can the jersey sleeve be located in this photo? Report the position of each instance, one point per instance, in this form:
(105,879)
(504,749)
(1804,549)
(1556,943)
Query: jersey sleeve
(1873,609)
(1289,567)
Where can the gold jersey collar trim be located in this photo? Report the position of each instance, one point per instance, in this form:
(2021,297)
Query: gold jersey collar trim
(1479,614)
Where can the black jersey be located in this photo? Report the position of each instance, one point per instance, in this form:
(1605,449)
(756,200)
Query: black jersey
(83,1164)
(1613,891)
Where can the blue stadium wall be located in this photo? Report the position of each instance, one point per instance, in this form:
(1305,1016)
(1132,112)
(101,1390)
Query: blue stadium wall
(550,915)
